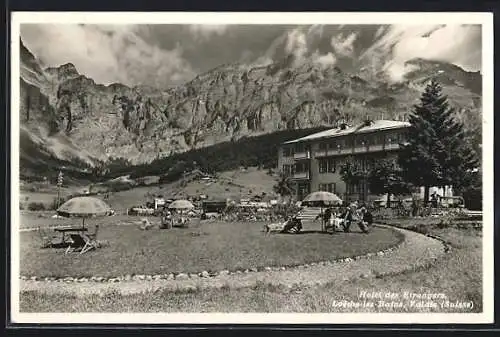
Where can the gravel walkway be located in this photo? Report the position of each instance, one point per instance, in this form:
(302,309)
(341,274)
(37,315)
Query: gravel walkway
(416,251)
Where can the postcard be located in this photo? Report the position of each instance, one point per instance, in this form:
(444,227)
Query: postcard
(248,168)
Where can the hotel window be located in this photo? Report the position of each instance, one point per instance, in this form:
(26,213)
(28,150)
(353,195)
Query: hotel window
(361,141)
(331,165)
(328,187)
(323,165)
(287,169)
(352,188)
(340,144)
(301,168)
(287,152)
(332,145)
(327,165)
(322,146)
(332,188)
(299,148)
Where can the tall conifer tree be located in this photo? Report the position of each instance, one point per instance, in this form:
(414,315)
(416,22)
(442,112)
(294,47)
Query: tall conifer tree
(437,152)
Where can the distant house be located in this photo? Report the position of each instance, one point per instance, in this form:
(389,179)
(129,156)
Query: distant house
(159,202)
(214,206)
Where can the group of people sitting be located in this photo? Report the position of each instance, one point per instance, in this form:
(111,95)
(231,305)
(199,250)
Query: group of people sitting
(335,219)
(172,219)
(342,219)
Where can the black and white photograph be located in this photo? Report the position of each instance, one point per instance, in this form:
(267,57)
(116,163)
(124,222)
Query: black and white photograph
(252,167)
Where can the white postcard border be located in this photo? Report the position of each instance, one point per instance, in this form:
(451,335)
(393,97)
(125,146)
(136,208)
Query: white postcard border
(485,19)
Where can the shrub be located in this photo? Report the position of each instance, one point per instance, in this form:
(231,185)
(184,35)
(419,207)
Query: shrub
(285,210)
(36,206)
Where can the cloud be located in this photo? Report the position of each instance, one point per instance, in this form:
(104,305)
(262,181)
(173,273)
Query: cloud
(457,44)
(163,55)
(315,30)
(296,45)
(344,45)
(300,44)
(107,53)
(325,60)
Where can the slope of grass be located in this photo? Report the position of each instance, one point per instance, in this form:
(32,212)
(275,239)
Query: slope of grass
(209,246)
(458,276)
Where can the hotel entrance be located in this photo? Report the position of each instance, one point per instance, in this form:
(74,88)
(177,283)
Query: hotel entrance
(303,189)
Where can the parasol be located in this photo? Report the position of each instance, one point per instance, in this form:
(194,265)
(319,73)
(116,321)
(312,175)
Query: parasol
(181,204)
(83,207)
(325,199)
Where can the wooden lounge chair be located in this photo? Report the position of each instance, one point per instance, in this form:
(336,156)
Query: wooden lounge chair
(78,242)
(90,241)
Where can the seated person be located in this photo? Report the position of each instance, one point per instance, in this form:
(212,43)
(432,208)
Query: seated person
(364,218)
(336,221)
(274,227)
(368,217)
(347,217)
(294,225)
(325,216)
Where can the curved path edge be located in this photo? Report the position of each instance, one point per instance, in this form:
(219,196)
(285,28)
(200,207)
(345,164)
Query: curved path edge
(416,251)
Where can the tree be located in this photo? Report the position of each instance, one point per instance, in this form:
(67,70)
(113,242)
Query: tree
(437,152)
(387,178)
(473,193)
(352,174)
(284,186)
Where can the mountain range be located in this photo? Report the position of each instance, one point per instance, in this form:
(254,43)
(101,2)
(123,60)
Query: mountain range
(66,117)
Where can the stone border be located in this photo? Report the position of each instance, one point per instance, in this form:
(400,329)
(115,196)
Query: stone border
(206,274)
(446,244)
(417,253)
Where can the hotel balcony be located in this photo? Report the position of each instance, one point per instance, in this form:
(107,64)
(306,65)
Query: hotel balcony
(333,152)
(302,155)
(375,148)
(343,150)
(391,146)
(300,175)
(321,153)
(360,148)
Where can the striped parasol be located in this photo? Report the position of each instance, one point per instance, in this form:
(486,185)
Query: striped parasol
(83,207)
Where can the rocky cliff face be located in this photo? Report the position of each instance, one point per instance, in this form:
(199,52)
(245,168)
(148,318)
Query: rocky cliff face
(229,102)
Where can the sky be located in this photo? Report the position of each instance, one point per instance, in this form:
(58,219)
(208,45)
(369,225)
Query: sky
(167,55)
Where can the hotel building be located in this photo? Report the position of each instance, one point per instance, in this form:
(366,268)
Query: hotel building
(314,161)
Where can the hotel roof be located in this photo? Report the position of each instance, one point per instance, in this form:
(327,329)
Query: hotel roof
(377,125)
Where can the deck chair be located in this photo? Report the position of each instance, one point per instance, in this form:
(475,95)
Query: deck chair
(90,241)
(47,237)
(78,242)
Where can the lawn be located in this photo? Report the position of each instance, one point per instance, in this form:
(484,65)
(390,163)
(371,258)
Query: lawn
(207,246)
(458,275)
